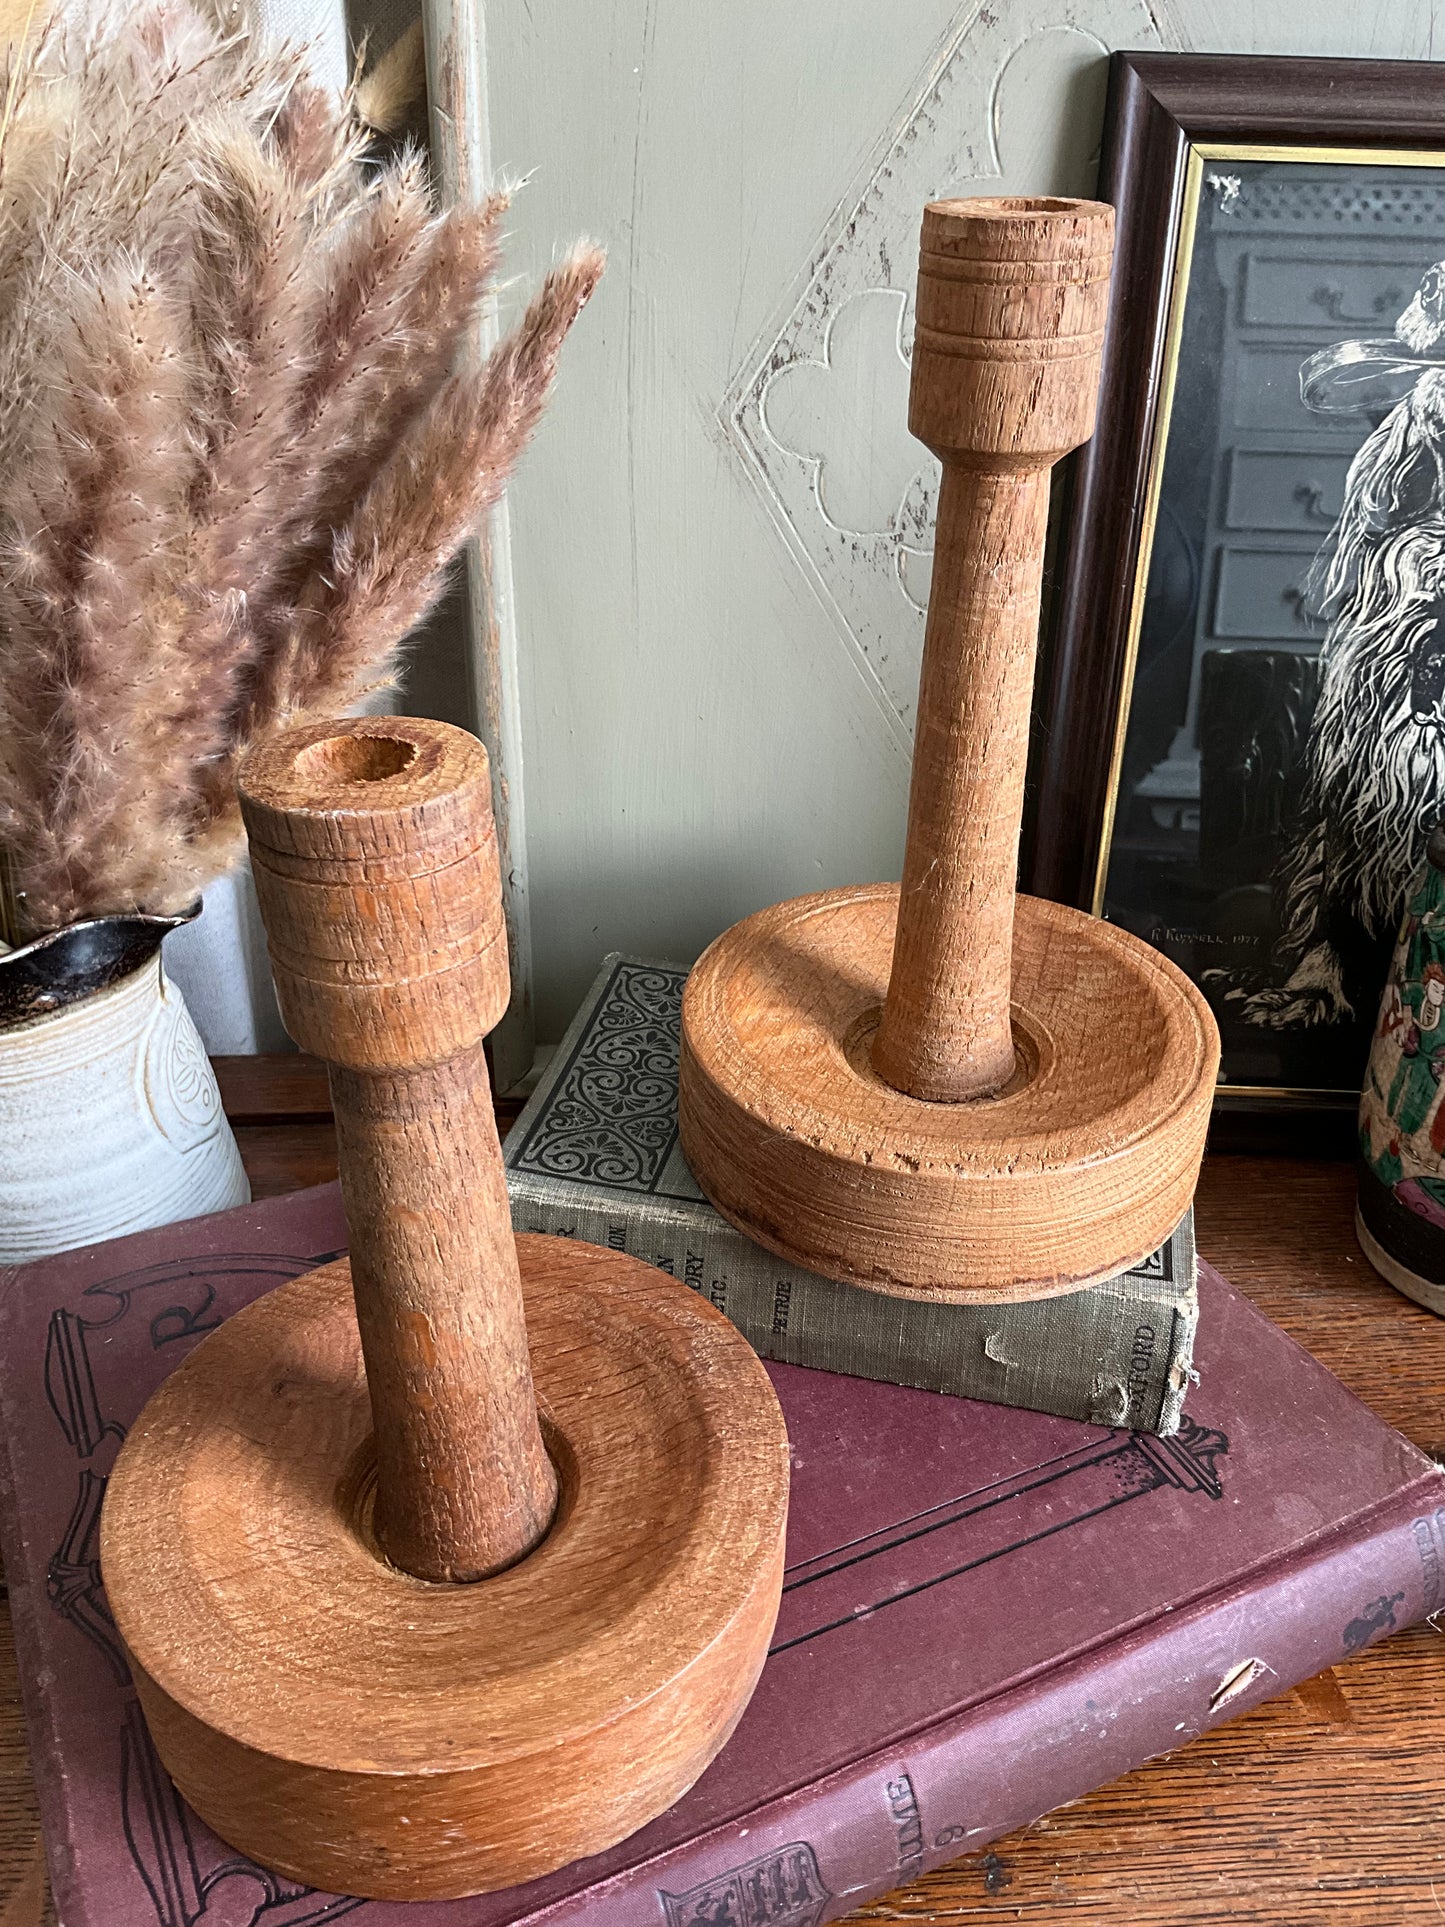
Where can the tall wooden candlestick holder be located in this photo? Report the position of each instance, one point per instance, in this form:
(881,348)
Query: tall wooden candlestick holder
(417,1608)
(954,1092)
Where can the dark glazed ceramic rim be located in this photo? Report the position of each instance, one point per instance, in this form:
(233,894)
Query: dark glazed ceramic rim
(59,969)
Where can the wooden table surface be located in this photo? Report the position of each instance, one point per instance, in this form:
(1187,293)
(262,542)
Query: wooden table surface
(1326,1805)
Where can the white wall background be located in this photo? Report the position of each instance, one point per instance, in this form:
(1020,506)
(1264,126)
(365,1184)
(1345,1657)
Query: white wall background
(720,538)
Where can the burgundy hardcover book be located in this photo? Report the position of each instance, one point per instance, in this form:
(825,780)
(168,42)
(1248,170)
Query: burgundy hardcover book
(986,1612)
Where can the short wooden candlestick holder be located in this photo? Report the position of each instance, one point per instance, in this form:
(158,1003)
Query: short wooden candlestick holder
(952,1091)
(402,1625)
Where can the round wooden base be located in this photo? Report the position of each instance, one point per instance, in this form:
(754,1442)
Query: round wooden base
(1081,1166)
(368,1733)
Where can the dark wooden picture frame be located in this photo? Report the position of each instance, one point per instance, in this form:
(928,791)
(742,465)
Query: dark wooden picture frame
(1161,108)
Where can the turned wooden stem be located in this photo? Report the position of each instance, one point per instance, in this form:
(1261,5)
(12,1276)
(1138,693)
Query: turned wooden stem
(376,868)
(463,1484)
(1010,317)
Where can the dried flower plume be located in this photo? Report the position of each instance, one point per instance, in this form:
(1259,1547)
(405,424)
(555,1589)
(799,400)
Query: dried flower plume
(243,429)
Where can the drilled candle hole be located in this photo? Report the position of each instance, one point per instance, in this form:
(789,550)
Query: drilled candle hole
(1033,1052)
(356,759)
(356,1499)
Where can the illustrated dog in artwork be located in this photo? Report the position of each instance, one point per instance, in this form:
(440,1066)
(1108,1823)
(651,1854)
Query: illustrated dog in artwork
(1374,782)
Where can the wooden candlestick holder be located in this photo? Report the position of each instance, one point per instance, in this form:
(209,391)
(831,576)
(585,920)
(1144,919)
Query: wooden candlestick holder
(423,1597)
(952,1091)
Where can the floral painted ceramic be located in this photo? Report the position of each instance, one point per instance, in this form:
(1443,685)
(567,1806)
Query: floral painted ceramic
(1401,1216)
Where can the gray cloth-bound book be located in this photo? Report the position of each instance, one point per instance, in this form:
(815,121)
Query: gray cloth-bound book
(595,1155)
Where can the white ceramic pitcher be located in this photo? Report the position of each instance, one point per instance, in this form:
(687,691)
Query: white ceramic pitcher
(110,1119)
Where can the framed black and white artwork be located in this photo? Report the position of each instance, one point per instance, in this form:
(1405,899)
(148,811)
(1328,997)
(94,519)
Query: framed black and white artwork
(1241,744)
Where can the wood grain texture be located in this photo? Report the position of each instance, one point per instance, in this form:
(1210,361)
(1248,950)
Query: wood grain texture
(289,1518)
(376,870)
(1320,1809)
(287,1157)
(1017,1107)
(1070,1174)
(272,1087)
(464,1482)
(279,1107)
(280,1110)
(947,1031)
(24,1896)
(1010,328)
(366,1732)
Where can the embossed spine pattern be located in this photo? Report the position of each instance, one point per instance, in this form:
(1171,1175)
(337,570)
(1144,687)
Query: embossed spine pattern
(595,1156)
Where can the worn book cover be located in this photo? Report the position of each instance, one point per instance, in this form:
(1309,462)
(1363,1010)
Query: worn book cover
(986,1611)
(595,1155)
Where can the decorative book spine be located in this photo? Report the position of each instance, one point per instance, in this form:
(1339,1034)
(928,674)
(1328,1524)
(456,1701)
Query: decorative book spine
(605,1111)
(1115,1355)
(883,1821)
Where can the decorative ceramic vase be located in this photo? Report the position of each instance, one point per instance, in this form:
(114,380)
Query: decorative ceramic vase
(110,1119)
(1401,1215)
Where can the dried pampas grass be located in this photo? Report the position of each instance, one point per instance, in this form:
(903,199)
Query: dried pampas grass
(241,433)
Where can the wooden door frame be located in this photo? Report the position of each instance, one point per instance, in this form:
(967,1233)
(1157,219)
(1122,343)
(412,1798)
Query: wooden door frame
(460,129)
